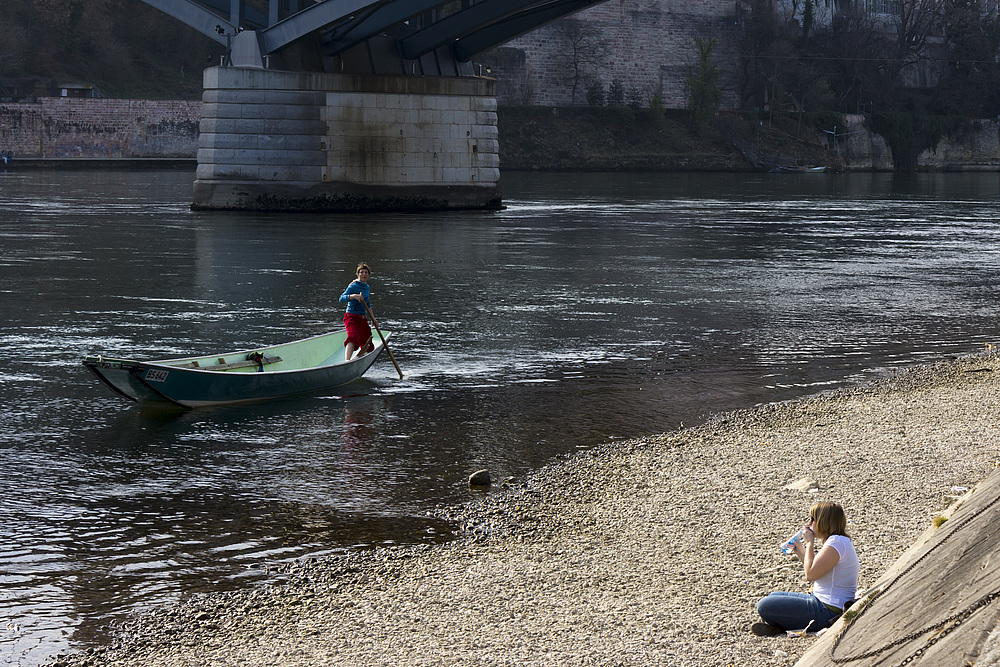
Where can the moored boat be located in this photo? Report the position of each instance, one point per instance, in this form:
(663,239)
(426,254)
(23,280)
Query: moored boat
(798,170)
(307,365)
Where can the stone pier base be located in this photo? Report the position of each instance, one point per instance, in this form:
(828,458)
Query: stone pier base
(301,141)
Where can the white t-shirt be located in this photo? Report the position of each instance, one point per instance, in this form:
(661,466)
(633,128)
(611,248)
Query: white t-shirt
(840,584)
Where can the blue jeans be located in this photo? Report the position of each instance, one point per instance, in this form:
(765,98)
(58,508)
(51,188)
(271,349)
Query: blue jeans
(793,611)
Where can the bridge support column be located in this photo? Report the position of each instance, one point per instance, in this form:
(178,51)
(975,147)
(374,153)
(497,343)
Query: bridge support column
(303,141)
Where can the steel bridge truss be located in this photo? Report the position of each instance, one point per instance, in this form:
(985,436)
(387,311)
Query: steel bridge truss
(253,29)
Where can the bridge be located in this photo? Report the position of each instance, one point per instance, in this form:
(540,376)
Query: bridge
(346,105)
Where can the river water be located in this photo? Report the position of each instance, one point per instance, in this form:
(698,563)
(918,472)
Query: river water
(595,307)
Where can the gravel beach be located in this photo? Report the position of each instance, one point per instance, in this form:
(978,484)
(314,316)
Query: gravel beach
(651,551)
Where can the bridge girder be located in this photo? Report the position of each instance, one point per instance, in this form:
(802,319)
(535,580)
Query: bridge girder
(309,20)
(418,27)
(503,30)
(377,21)
(487,24)
(209,23)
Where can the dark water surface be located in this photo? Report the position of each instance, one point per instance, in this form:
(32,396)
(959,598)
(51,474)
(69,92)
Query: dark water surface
(596,306)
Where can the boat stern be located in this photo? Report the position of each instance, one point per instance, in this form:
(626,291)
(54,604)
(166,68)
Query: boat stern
(123,376)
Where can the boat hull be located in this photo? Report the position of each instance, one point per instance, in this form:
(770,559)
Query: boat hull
(308,365)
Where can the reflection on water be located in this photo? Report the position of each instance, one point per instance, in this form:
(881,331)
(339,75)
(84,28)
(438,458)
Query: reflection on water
(595,306)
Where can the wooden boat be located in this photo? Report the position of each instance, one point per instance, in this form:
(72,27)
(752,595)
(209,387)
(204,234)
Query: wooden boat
(798,170)
(307,365)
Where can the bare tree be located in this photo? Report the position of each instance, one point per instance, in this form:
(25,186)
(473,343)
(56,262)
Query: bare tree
(759,34)
(587,50)
(871,52)
(971,84)
(857,48)
(915,23)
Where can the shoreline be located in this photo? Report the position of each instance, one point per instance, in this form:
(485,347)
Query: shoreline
(676,164)
(133,163)
(605,138)
(645,551)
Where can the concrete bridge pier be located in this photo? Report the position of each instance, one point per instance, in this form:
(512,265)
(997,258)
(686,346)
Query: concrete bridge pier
(303,141)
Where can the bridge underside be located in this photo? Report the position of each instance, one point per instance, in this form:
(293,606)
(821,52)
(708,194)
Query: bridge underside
(353,104)
(362,36)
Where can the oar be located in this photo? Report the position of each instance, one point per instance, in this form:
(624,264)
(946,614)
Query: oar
(371,316)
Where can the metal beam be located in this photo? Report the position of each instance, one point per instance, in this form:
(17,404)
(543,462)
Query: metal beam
(475,28)
(311,19)
(378,21)
(196,16)
(513,27)
(462,23)
(459,24)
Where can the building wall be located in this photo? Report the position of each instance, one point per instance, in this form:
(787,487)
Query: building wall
(62,127)
(651,46)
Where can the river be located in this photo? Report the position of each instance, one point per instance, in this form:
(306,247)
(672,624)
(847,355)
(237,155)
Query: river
(594,307)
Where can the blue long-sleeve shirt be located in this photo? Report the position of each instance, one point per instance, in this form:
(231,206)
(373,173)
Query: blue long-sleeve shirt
(357,287)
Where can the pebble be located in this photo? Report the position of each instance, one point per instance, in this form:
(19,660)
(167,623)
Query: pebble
(650,551)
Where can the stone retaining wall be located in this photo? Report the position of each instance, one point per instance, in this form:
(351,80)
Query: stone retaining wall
(60,127)
(651,49)
(975,150)
(115,128)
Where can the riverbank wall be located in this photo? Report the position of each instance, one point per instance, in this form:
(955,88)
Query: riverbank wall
(621,139)
(977,148)
(78,128)
(67,132)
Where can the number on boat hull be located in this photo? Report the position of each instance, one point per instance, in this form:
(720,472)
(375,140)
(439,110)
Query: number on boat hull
(156,375)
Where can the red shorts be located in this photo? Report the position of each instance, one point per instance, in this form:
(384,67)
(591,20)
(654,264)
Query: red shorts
(358,330)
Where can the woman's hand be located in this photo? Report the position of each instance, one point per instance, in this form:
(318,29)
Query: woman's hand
(808,540)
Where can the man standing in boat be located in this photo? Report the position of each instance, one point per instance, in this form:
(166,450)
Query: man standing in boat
(359,332)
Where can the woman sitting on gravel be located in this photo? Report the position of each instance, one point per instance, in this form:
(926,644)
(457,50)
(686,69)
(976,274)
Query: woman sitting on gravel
(834,570)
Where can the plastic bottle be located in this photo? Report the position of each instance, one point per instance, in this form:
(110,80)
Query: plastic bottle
(786,546)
